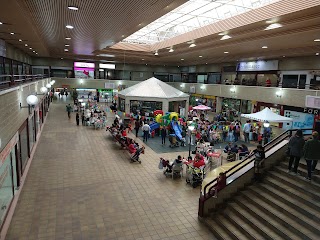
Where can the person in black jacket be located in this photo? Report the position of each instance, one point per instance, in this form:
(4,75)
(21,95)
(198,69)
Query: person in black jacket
(295,146)
(77,119)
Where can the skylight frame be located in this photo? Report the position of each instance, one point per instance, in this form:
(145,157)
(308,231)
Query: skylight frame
(198,13)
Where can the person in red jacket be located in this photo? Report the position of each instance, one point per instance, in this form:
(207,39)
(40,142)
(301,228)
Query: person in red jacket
(131,147)
(198,160)
(268,82)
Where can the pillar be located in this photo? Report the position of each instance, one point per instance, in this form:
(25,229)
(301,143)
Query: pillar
(165,106)
(219,104)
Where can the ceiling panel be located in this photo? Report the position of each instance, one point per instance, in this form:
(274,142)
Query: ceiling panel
(97,23)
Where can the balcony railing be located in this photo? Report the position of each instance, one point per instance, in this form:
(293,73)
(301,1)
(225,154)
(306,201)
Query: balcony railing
(7,81)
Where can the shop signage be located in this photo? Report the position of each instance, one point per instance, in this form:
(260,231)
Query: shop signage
(312,111)
(312,102)
(258,66)
(84,65)
(109,85)
(107,66)
(300,120)
(6,151)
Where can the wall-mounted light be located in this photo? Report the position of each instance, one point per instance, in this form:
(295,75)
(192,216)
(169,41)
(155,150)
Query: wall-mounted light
(81,81)
(52,82)
(32,100)
(279,94)
(202,87)
(43,90)
(182,85)
(233,89)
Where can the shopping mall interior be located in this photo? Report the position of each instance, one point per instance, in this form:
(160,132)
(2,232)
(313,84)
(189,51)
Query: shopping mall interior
(149,119)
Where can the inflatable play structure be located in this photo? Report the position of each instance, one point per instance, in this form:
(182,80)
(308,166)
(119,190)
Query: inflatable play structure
(171,121)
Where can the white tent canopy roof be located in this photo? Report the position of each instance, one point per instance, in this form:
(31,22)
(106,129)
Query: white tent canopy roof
(266,115)
(153,88)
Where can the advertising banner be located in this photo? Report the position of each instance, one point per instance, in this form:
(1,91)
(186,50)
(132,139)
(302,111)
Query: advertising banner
(300,121)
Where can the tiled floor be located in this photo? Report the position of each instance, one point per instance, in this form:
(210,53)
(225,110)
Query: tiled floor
(82,186)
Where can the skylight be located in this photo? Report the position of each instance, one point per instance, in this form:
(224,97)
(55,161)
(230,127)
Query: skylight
(190,16)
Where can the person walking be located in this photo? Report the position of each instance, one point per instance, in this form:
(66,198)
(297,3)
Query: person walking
(77,119)
(163,135)
(246,131)
(311,153)
(137,126)
(146,131)
(295,146)
(69,109)
(83,119)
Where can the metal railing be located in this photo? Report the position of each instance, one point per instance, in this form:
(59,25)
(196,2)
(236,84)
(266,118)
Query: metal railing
(207,190)
(8,81)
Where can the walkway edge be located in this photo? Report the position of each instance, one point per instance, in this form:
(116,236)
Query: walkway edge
(15,200)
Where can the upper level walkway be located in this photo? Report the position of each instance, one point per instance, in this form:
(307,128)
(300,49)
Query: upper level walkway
(82,186)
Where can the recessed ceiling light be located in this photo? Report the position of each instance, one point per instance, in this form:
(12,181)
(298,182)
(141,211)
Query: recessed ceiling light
(30,48)
(73,8)
(265,47)
(20,40)
(171,50)
(182,59)
(192,45)
(200,56)
(69,27)
(317,40)
(61,58)
(156,53)
(67,38)
(26,45)
(1,23)
(225,37)
(142,59)
(12,33)
(283,56)
(122,36)
(206,63)
(66,50)
(317,54)
(34,51)
(225,52)
(273,26)
(139,24)
(66,45)
(146,64)
(221,34)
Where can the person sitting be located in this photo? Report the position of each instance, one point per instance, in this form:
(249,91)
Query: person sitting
(228,148)
(221,183)
(243,150)
(198,160)
(123,133)
(132,149)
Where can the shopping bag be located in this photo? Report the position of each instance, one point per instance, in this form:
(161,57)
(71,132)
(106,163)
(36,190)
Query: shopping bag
(160,166)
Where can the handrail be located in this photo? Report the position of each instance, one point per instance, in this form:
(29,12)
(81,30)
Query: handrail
(269,145)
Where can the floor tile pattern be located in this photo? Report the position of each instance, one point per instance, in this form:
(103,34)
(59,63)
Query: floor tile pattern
(81,185)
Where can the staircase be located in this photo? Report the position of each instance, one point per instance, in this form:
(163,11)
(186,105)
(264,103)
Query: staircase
(282,206)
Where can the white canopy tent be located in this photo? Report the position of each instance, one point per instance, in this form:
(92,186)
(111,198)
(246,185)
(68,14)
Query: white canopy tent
(155,90)
(266,115)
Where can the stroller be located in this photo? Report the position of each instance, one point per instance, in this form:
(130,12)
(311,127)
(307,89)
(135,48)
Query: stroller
(136,155)
(173,141)
(194,176)
(169,170)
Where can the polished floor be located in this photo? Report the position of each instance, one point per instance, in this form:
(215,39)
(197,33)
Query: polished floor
(81,185)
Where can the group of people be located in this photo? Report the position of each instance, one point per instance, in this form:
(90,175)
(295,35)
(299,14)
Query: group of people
(298,148)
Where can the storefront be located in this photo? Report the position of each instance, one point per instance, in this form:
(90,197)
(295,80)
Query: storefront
(8,176)
(142,106)
(258,73)
(208,100)
(295,79)
(105,95)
